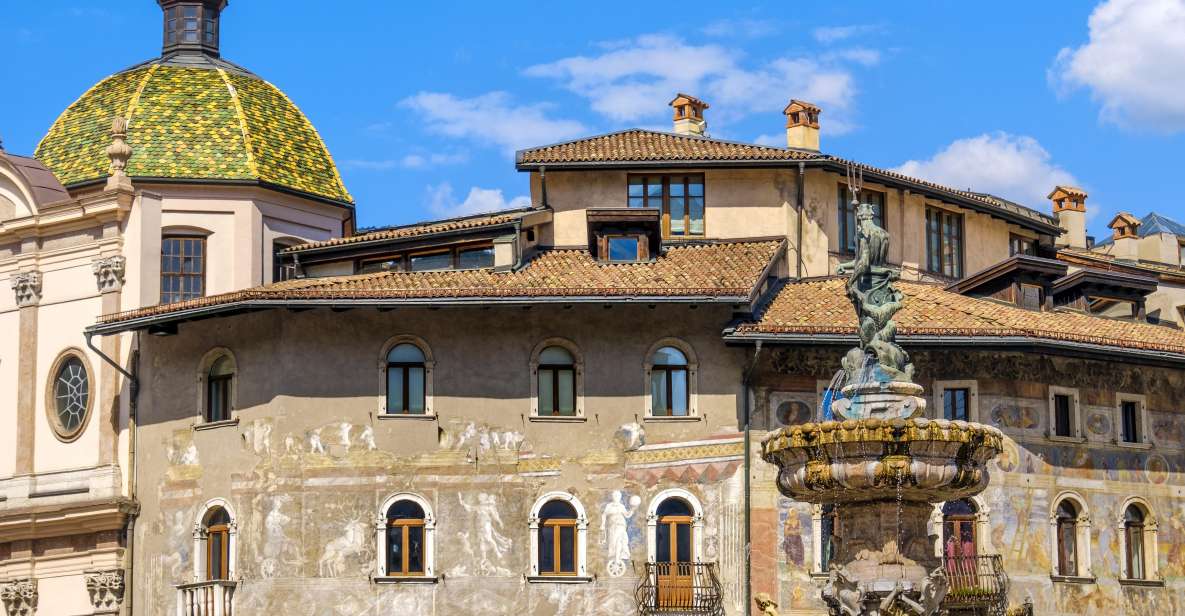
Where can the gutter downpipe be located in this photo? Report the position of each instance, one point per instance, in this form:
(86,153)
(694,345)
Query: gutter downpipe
(748,481)
(134,388)
(798,206)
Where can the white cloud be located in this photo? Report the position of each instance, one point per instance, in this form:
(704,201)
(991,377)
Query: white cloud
(442,201)
(1133,64)
(1015,167)
(777,141)
(409,161)
(491,118)
(834,34)
(747,28)
(633,80)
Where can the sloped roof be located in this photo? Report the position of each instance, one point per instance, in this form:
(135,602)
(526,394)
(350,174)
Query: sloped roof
(821,306)
(639,146)
(1151,224)
(193,122)
(45,187)
(732,270)
(478,221)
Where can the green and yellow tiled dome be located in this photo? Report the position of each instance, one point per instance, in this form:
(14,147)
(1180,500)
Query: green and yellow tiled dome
(200,122)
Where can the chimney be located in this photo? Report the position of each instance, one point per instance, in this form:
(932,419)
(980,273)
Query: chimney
(1125,233)
(689,115)
(191,26)
(1069,207)
(802,125)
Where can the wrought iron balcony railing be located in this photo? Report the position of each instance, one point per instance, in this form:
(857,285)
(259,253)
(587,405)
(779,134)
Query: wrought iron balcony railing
(676,589)
(978,584)
(212,598)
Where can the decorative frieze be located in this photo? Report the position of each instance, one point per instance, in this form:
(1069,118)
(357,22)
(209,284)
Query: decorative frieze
(27,286)
(106,590)
(19,597)
(109,273)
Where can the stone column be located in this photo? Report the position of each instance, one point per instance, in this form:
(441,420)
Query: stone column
(109,275)
(106,591)
(27,286)
(19,597)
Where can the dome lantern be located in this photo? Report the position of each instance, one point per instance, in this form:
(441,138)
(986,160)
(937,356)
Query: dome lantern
(191,26)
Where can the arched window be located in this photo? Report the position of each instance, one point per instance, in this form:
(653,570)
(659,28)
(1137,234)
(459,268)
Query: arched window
(218,385)
(557,527)
(1070,542)
(958,529)
(405,537)
(214,543)
(674,527)
(406,380)
(1138,535)
(556,383)
(671,376)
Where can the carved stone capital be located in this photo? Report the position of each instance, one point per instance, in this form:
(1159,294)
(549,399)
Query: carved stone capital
(106,590)
(27,286)
(19,597)
(109,273)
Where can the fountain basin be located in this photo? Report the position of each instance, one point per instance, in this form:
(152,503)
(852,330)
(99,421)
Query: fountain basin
(913,460)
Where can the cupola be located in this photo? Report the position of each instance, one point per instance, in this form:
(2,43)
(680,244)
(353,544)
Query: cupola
(191,25)
(802,125)
(689,115)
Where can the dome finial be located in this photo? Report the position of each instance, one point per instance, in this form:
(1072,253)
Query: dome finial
(192,26)
(119,152)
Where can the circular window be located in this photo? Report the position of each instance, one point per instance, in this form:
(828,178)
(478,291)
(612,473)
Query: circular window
(70,396)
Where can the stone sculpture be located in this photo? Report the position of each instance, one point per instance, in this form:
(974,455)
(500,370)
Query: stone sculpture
(766,604)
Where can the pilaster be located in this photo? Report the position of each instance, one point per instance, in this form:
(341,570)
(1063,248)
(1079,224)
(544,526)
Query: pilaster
(109,277)
(27,286)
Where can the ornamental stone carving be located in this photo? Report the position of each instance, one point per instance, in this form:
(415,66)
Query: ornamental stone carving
(106,590)
(27,286)
(109,273)
(19,597)
(119,152)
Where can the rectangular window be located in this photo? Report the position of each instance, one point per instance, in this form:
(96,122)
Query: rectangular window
(1031,297)
(1020,245)
(182,268)
(281,270)
(679,197)
(381,265)
(431,262)
(847,215)
(475,258)
(623,248)
(1130,416)
(944,243)
(955,404)
(1062,414)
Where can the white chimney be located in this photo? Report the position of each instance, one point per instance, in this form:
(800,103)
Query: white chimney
(802,125)
(1069,207)
(689,115)
(1125,233)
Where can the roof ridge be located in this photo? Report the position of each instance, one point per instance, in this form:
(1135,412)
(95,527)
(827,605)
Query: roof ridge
(337,176)
(248,147)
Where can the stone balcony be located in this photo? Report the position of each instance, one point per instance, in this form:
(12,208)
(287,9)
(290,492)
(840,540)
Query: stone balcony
(210,598)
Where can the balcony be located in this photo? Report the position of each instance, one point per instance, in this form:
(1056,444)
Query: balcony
(679,589)
(212,598)
(978,585)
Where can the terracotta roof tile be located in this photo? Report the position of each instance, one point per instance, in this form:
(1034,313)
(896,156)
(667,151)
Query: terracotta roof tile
(416,230)
(646,145)
(821,307)
(716,270)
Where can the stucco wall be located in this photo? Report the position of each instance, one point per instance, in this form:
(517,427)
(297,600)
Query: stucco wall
(316,377)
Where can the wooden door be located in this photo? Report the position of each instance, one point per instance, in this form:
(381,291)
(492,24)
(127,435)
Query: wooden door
(674,562)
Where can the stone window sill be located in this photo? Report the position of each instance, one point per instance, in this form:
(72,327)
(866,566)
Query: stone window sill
(1072,579)
(559,579)
(409,416)
(1067,439)
(1144,583)
(671,418)
(1134,445)
(214,425)
(405,579)
(558,418)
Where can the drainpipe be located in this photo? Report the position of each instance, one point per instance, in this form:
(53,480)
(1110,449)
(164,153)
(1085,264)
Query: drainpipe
(134,389)
(801,196)
(543,186)
(748,488)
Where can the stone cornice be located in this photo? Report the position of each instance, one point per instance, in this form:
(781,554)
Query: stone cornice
(57,520)
(105,206)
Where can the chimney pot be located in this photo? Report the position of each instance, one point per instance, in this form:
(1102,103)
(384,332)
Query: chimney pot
(1069,207)
(802,125)
(689,115)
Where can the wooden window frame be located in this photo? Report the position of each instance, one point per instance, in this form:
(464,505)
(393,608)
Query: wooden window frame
(181,296)
(405,257)
(555,389)
(1015,240)
(643,253)
(966,402)
(556,526)
(669,370)
(219,385)
(223,532)
(1141,419)
(1075,435)
(403,528)
(1066,526)
(405,369)
(845,204)
(936,242)
(664,204)
(1137,529)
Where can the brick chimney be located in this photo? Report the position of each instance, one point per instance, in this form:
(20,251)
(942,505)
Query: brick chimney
(802,125)
(1069,207)
(1125,233)
(689,115)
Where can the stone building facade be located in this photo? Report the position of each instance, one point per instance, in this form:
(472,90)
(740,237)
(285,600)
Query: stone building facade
(549,410)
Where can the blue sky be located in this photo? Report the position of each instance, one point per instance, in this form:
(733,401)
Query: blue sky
(423,104)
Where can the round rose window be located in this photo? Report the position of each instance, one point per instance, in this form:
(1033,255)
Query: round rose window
(71,392)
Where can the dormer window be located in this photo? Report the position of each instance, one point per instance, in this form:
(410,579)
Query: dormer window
(621,235)
(623,248)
